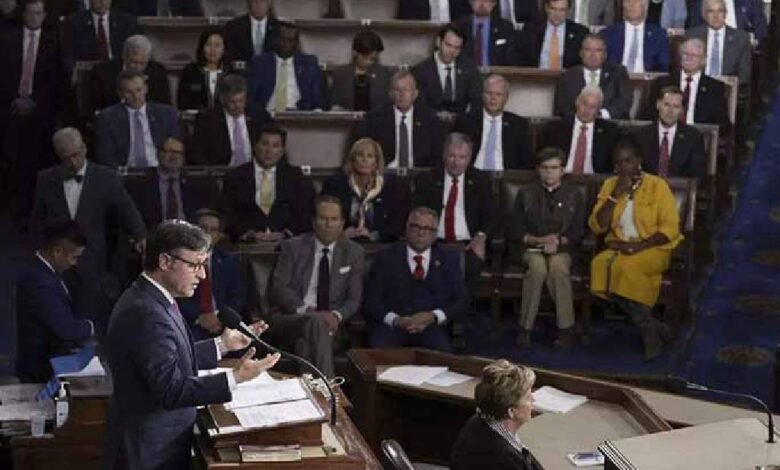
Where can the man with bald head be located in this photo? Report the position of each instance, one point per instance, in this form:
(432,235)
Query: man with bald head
(704,97)
(638,45)
(585,138)
(500,138)
(91,195)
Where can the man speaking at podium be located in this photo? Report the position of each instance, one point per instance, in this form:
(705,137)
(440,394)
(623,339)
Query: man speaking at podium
(154,362)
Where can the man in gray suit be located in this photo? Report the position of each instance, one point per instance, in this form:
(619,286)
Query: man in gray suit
(128,133)
(728,49)
(592,12)
(611,78)
(317,284)
(94,197)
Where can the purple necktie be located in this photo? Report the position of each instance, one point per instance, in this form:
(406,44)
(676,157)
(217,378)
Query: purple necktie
(239,149)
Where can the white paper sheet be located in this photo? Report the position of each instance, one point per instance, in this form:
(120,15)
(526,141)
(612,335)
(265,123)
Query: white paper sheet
(93,369)
(278,413)
(448,379)
(277,391)
(410,375)
(552,400)
(18,393)
(23,411)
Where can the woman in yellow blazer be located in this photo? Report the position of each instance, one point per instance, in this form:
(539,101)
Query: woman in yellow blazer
(638,213)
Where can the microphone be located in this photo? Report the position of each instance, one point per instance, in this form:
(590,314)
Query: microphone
(680,385)
(230,318)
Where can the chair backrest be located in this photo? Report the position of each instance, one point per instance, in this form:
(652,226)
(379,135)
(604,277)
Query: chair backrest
(395,455)
(369,9)
(301,9)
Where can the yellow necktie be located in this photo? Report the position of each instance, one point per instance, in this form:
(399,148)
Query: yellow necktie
(555,54)
(281,88)
(266,192)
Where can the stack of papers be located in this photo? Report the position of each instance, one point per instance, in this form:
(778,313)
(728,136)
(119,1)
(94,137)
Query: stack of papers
(551,400)
(18,393)
(418,375)
(266,416)
(278,391)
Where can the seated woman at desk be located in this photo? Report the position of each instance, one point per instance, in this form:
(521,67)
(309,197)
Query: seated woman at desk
(375,204)
(503,397)
(363,85)
(638,213)
(198,83)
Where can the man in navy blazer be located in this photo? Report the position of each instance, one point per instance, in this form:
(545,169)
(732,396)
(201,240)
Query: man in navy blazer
(415,288)
(223,284)
(128,133)
(253,33)
(47,324)
(652,56)
(82,34)
(154,362)
(498,38)
(93,196)
(302,89)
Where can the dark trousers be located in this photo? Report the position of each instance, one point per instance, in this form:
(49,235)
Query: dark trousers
(433,337)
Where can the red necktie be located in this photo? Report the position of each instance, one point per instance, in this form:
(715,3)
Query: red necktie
(206,297)
(663,158)
(102,40)
(25,84)
(449,212)
(171,202)
(419,270)
(479,46)
(686,99)
(580,150)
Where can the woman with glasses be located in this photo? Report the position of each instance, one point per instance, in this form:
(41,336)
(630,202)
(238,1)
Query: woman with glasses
(504,401)
(198,83)
(637,213)
(375,204)
(548,221)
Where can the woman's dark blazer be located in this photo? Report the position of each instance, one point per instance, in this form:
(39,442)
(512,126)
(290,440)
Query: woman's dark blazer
(193,91)
(391,206)
(479,447)
(342,92)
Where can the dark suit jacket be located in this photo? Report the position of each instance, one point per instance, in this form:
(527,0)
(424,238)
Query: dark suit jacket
(197,192)
(46,325)
(656,50)
(614,83)
(515,137)
(688,158)
(531,41)
(427,134)
(559,133)
(211,138)
(390,208)
(391,287)
(193,90)
(737,52)
(466,79)
(711,106)
(500,45)
(81,39)
(294,269)
(342,91)
(262,80)
(112,131)
(154,366)
(103,84)
(238,37)
(749,13)
(227,288)
(293,202)
(479,206)
(149,7)
(526,11)
(421,10)
(103,197)
(478,446)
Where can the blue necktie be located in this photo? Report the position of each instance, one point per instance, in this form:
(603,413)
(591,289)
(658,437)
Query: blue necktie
(490,146)
(715,55)
(633,53)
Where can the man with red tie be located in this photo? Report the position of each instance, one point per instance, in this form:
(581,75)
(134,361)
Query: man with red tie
(222,285)
(415,288)
(584,138)
(671,147)
(98,33)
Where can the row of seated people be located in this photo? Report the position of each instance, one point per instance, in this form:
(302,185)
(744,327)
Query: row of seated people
(410,135)
(414,288)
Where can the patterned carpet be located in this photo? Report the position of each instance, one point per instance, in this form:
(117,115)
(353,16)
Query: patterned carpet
(739,313)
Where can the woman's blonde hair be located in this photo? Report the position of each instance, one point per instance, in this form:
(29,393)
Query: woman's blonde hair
(502,385)
(380,157)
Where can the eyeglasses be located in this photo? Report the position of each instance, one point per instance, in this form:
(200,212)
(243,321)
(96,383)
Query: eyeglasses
(422,228)
(194,267)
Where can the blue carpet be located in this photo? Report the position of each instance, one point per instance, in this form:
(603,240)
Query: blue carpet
(738,315)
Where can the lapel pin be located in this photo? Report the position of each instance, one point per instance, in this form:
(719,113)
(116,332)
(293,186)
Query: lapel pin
(373,75)
(437,263)
(418,124)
